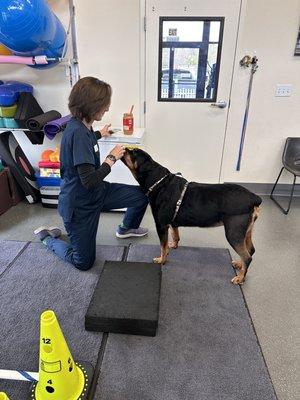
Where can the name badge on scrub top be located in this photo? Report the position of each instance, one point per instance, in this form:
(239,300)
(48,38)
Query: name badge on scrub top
(96,148)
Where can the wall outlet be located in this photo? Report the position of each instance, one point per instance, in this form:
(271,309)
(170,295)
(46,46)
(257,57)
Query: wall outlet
(283,90)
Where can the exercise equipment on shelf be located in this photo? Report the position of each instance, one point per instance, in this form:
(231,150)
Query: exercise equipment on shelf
(22,170)
(37,123)
(4,51)
(48,178)
(27,107)
(8,112)
(31,29)
(52,128)
(51,156)
(38,60)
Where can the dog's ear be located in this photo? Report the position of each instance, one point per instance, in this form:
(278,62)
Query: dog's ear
(141,158)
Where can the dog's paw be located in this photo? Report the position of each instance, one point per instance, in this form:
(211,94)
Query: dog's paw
(238,280)
(173,245)
(159,260)
(237,264)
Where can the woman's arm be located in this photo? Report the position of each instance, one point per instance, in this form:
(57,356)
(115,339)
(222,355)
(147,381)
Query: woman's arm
(91,177)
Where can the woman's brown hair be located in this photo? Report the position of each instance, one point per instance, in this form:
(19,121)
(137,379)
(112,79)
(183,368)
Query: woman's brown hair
(88,97)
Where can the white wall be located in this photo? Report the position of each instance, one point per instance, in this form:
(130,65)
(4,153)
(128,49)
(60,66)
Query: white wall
(270,30)
(108,41)
(51,88)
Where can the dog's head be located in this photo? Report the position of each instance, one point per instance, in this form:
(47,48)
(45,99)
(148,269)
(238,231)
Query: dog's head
(139,162)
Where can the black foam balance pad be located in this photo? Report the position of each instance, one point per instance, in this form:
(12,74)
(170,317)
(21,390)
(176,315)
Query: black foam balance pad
(126,299)
(27,107)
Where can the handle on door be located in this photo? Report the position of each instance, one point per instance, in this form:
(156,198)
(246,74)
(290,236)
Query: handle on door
(220,104)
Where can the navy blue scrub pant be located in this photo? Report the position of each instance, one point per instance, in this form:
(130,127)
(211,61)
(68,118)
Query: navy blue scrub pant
(82,229)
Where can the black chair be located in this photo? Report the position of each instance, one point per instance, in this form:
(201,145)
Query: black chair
(291,162)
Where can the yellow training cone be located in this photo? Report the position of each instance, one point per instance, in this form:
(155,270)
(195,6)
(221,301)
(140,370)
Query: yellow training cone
(3,396)
(60,378)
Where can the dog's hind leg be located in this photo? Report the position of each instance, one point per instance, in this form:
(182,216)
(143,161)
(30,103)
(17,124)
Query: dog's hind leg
(175,237)
(164,248)
(249,242)
(236,228)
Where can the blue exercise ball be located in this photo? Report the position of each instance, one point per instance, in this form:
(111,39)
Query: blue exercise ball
(30,28)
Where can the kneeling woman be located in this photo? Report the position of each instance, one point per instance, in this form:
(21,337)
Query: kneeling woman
(84,193)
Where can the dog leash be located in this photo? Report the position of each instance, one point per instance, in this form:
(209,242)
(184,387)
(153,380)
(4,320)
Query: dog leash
(178,204)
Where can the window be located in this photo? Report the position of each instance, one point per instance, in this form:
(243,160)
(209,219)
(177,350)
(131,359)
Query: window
(189,58)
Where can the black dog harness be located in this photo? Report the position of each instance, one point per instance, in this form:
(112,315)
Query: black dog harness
(178,203)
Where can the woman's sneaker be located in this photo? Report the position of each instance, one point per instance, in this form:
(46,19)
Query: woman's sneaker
(42,232)
(123,233)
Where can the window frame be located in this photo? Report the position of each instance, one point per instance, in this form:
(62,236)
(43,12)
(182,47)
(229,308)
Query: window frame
(198,45)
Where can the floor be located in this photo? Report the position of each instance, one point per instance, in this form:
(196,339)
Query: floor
(272,289)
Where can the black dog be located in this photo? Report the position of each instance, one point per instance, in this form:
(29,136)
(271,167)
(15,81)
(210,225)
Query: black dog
(175,202)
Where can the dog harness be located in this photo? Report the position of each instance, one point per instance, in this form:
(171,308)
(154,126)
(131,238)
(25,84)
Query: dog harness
(155,184)
(178,204)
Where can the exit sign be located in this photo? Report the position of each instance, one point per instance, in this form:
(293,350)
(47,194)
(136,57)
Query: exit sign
(173,32)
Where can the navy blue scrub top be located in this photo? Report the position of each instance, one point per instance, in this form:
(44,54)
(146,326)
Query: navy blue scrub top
(78,146)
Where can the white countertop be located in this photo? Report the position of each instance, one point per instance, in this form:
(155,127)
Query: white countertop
(120,137)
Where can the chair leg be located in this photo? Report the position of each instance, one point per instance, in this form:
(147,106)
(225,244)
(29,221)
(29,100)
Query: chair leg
(292,194)
(285,211)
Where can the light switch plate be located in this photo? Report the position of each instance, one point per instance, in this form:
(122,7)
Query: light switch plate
(283,90)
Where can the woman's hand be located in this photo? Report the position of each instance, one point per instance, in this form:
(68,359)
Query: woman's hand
(118,151)
(105,131)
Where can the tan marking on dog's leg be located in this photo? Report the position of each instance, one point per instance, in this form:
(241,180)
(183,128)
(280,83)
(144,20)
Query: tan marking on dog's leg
(249,243)
(164,251)
(237,264)
(175,237)
(243,263)
(164,248)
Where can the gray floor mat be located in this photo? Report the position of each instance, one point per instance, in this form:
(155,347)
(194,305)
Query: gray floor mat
(36,281)
(9,250)
(206,348)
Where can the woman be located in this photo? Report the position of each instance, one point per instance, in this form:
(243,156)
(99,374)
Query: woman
(84,193)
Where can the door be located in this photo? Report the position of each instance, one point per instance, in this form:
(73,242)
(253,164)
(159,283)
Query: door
(190,50)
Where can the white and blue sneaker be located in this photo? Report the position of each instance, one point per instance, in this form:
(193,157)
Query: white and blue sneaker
(123,233)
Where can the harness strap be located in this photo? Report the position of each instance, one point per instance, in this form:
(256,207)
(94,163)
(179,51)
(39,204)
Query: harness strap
(155,184)
(178,204)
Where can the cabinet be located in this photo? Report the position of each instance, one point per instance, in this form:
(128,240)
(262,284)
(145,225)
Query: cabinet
(119,172)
